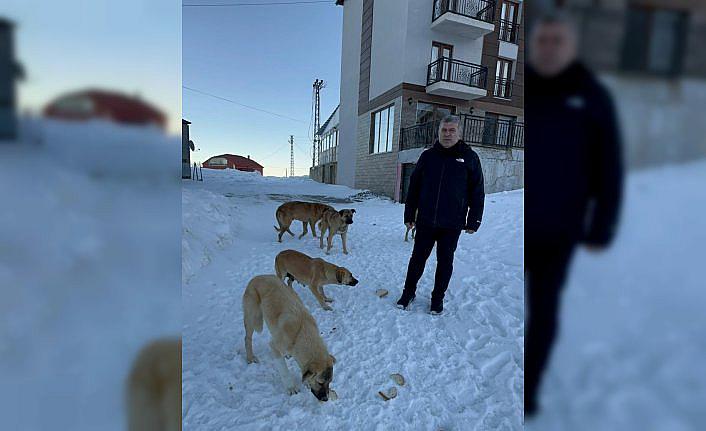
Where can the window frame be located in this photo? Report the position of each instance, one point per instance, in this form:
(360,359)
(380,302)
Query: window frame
(389,138)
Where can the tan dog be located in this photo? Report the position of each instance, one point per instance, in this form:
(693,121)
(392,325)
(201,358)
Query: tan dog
(294,332)
(154,388)
(306,212)
(336,222)
(314,273)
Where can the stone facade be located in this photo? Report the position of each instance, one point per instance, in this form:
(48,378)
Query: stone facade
(502,169)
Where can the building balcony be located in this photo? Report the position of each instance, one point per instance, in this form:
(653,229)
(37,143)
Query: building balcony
(455,78)
(508,31)
(467,18)
(475,130)
(502,88)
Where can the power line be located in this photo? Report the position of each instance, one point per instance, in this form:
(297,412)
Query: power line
(255,4)
(243,105)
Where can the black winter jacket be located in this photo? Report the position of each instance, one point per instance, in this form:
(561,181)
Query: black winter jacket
(573,167)
(446,189)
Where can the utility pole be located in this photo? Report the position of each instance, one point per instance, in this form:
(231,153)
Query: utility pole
(291,155)
(318,85)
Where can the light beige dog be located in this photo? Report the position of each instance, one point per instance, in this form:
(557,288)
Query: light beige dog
(294,332)
(314,273)
(307,212)
(154,388)
(336,222)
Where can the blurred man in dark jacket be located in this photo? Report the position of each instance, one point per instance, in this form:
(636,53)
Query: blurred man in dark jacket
(573,178)
(445,196)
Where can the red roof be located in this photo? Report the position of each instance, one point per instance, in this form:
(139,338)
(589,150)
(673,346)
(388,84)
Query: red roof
(121,108)
(240,160)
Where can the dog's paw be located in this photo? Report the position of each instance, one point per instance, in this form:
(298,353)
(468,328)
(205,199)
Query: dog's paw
(293,389)
(327,308)
(328,299)
(253,360)
(345,252)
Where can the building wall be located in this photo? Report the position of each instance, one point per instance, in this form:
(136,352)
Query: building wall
(377,172)
(350,74)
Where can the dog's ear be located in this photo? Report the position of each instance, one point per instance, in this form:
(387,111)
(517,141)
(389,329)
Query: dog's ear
(341,212)
(340,273)
(333,359)
(306,375)
(353,211)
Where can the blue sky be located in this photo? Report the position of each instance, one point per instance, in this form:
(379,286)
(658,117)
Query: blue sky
(133,46)
(266,57)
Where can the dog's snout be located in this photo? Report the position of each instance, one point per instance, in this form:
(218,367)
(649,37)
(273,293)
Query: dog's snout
(349,221)
(354,282)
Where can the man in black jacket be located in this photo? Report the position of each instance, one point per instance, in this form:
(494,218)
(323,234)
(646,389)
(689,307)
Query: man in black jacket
(573,177)
(445,196)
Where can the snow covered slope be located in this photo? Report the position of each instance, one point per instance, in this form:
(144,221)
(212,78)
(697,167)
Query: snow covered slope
(464,369)
(89,269)
(631,346)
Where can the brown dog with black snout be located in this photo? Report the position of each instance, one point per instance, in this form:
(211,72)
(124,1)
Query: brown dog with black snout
(336,222)
(314,273)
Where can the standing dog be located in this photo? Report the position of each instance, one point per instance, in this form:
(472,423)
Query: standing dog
(314,273)
(154,388)
(294,332)
(306,212)
(336,222)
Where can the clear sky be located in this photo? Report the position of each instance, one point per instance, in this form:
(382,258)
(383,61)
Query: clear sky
(132,46)
(266,57)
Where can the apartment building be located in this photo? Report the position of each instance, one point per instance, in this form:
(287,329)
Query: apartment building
(406,64)
(650,54)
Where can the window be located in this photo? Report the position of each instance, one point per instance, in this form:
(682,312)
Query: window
(427,112)
(654,41)
(503,79)
(381,130)
(441,50)
(219,161)
(508,21)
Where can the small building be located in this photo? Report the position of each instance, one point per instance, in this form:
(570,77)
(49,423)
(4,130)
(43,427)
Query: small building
(232,161)
(107,105)
(10,71)
(325,169)
(187,146)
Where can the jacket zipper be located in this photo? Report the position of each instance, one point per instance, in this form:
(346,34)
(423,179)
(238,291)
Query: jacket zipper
(438,193)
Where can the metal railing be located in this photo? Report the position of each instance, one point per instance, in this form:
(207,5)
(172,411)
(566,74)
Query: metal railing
(508,31)
(482,10)
(458,72)
(502,88)
(476,130)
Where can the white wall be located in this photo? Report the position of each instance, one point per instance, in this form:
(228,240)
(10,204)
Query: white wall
(387,51)
(402,38)
(350,75)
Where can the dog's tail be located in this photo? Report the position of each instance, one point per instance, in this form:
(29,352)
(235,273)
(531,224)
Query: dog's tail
(279,214)
(252,313)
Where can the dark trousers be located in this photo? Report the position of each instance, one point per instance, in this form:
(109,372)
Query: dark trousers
(545,274)
(446,241)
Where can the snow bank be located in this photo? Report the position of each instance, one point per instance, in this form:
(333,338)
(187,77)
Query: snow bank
(89,258)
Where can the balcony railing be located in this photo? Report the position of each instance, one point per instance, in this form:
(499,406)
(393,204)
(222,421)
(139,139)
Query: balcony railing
(483,10)
(479,131)
(502,88)
(508,31)
(458,72)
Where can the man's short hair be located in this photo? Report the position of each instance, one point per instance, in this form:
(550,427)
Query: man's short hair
(451,119)
(555,16)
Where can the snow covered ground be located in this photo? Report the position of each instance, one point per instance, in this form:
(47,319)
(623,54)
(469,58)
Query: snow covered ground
(89,268)
(464,370)
(632,342)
